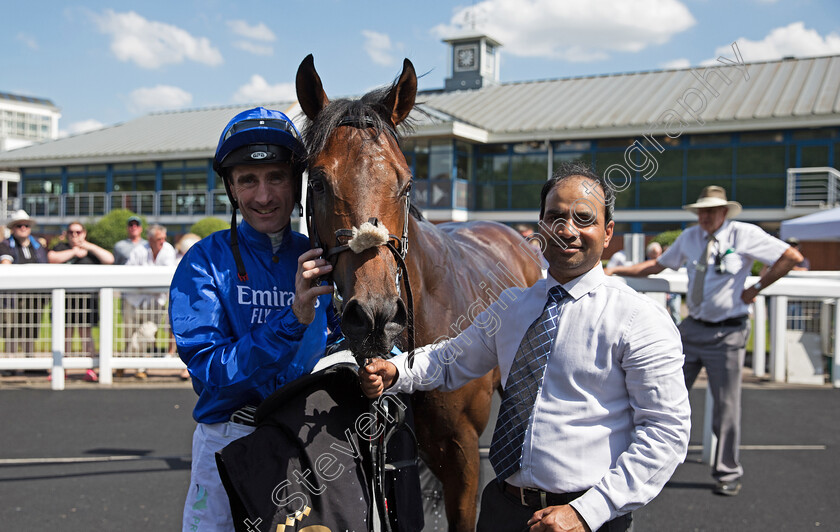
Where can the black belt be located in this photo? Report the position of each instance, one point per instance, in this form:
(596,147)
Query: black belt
(539,498)
(737,321)
(245,416)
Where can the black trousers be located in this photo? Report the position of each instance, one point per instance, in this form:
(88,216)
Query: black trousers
(502,512)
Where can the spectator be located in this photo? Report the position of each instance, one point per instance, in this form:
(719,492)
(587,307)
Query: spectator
(22,315)
(619,258)
(184,244)
(653,250)
(719,254)
(594,416)
(123,248)
(81,309)
(143,313)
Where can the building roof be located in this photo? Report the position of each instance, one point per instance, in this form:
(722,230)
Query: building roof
(789,93)
(27,99)
(191,133)
(778,94)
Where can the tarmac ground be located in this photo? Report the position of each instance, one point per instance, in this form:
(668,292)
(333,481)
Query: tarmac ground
(117,457)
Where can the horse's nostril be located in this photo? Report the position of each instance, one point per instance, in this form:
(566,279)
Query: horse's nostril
(356,321)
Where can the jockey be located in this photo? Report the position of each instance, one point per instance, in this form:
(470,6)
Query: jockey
(246,312)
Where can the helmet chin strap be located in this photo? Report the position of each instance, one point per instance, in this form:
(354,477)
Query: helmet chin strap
(234,246)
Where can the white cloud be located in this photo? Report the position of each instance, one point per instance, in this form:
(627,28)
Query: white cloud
(682,62)
(572,30)
(84,126)
(258,90)
(254,48)
(158,98)
(152,44)
(379,47)
(258,32)
(791,40)
(28,40)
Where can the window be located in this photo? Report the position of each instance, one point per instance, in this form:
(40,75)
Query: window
(659,192)
(710,162)
(761,160)
(762,192)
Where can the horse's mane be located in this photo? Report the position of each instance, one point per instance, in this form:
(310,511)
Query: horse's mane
(367,111)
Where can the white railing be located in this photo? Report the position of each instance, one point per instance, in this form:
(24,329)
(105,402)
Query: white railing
(813,187)
(53,281)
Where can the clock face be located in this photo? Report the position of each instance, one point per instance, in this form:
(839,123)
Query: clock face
(465,58)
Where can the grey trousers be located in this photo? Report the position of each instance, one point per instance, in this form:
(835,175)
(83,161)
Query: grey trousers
(721,350)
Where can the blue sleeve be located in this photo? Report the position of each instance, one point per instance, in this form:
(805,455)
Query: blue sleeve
(225,354)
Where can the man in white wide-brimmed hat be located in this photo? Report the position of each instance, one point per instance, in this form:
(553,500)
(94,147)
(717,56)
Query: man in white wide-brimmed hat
(718,254)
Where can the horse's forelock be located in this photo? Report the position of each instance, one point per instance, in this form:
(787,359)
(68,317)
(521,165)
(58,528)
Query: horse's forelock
(367,110)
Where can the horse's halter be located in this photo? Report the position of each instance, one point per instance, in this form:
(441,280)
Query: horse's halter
(344,236)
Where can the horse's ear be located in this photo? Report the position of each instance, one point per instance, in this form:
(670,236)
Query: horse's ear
(310,91)
(400,99)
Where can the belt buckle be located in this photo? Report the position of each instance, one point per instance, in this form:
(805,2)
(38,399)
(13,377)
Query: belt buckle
(542,494)
(522,496)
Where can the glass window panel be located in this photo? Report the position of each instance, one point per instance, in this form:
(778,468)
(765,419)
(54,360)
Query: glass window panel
(145,182)
(96,183)
(440,160)
(492,149)
(813,156)
(532,167)
(761,160)
(490,169)
(490,197)
(195,181)
(462,164)
(421,162)
(571,157)
(572,145)
(172,181)
(616,143)
(657,193)
(764,192)
(762,136)
(700,140)
(526,196)
(710,162)
(670,163)
(823,133)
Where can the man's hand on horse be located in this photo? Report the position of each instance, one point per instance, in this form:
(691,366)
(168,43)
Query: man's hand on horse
(557,519)
(377,376)
(307,286)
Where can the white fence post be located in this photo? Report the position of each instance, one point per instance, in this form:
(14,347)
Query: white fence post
(836,371)
(58,339)
(760,339)
(106,334)
(778,304)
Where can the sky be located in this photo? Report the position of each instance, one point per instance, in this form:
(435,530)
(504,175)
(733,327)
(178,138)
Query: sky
(106,62)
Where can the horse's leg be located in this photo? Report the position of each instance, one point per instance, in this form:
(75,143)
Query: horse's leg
(449,425)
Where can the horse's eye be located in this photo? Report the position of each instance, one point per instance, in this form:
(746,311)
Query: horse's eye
(317,185)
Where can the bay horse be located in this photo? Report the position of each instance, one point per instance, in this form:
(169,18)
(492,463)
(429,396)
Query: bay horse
(358,174)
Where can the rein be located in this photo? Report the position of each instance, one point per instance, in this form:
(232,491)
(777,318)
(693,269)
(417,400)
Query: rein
(343,238)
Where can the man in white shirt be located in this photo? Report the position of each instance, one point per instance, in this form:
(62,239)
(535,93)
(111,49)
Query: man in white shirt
(123,248)
(608,418)
(143,313)
(718,254)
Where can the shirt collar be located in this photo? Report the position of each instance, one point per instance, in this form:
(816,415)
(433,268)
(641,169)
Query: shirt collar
(580,285)
(262,240)
(722,231)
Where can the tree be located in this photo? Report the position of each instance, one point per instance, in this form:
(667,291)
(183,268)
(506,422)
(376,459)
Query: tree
(111,228)
(667,238)
(207,226)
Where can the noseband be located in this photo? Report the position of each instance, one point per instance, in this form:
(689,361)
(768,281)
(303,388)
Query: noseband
(344,239)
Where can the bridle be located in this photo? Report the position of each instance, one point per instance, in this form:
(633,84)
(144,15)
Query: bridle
(397,245)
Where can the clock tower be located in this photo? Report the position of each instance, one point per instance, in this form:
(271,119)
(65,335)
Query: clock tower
(474,61)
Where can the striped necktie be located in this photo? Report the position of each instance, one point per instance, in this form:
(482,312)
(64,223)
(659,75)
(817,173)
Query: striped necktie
(700,275)
(523,387)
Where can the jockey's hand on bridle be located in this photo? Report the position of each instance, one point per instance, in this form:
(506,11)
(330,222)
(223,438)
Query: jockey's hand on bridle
(307,289)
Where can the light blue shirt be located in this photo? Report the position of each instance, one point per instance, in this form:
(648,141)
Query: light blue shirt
(612,417)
